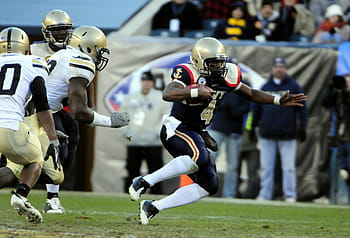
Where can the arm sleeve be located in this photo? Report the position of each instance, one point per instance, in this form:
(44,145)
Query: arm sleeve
(38,89)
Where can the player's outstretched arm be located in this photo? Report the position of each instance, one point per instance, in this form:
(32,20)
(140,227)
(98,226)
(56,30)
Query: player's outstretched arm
(259,96)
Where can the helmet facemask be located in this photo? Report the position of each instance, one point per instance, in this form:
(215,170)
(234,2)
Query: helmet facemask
(208,51)
(91,41)
(100,60)
(58,36)
(215,67)
(57,29)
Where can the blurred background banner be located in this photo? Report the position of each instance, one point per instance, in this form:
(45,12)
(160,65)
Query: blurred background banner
(313,67)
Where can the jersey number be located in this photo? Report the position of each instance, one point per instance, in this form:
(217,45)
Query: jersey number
(208,113)
(9,78)
(51,65)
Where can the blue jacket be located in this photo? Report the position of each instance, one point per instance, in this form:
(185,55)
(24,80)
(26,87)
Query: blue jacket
(279,122)
(230,114)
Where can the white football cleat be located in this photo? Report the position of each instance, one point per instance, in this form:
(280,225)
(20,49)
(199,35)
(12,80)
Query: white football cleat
(24,207)
(53,206)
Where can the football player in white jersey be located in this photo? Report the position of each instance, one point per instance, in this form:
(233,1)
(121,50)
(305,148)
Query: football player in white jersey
(71,72)
(23,75)
(57,30)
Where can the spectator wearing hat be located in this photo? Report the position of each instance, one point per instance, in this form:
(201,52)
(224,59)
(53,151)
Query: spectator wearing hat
(318,8)
(279,129)
(234,26)
(334,29)
(146,109)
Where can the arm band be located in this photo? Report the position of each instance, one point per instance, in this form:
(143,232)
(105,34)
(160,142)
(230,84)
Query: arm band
(38,89)
(101,120)
(276,100)
(194,93)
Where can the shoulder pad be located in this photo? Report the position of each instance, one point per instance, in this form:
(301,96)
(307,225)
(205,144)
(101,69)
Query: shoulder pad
(191,71)
(82,61)
(234,75)
(39,62)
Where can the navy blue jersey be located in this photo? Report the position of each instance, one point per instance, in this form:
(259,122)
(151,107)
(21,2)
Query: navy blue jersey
(199,117)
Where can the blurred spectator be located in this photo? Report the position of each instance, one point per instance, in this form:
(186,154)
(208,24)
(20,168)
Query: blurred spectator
(227,127)
(337,98)
(295,22)
(178,15)
(234,27)
(333,30)
(254,6)
(347,14)
(216,9)
(279,128)
(318,8)
(146,109)
(261,27)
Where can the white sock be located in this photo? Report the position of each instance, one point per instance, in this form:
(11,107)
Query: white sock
(52,188)
(182,196)
(176,167)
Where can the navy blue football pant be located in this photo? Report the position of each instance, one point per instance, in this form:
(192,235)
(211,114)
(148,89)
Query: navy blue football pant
(189,142)
(65,123)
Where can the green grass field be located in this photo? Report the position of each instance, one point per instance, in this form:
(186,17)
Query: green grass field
(114,215)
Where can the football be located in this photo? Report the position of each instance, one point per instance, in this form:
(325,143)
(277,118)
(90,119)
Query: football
(195,101)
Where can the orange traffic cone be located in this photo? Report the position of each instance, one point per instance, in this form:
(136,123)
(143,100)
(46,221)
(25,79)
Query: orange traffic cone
(185,180)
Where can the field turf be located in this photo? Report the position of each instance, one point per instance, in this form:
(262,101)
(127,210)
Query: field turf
(114,215)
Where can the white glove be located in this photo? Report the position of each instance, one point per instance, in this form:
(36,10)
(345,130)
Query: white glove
(120,119)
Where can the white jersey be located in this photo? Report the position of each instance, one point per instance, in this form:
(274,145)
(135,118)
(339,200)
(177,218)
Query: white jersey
(41,49)
(17,73)
(64,65)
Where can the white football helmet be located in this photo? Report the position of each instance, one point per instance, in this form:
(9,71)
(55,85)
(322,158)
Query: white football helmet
(57,29)
(91,41)
(14,40)
(209,49)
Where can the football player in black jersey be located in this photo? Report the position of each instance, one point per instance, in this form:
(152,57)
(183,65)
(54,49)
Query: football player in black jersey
(184,133)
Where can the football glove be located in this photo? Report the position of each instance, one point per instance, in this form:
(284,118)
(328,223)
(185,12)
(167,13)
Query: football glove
(209,141)
(120,119)
(62,137)
(53,151)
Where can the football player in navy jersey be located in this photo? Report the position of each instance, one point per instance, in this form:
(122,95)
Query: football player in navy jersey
(184,133)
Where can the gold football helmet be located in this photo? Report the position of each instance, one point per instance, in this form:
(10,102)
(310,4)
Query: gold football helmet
(14,40)
(57,29)
(206,50)
(91,41)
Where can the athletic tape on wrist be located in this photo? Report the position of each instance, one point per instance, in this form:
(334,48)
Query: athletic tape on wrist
(194,93)
(55,142)
(101,120)
(276,99)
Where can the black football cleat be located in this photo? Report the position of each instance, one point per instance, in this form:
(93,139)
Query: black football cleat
(138,187)
(147,211)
